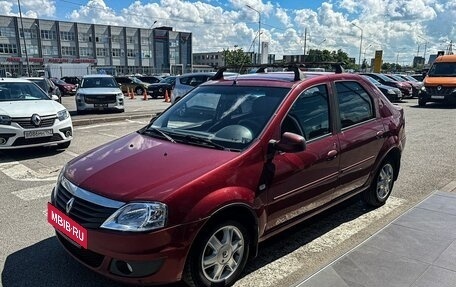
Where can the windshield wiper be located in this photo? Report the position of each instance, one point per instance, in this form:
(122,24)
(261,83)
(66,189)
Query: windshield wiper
(204,141)
(158,131)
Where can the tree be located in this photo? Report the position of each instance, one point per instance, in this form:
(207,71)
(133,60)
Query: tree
(236,58)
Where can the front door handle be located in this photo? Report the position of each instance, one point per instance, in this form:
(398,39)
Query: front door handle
(331,154)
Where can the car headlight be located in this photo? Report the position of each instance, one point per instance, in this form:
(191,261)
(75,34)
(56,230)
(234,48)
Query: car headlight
(423,88)
(138,217)
(79,95)
(119,94)
(62,115)
(5,120)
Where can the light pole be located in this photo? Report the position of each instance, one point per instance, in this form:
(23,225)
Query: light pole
(425,46)
(360,44)
(23,37)
(259,31)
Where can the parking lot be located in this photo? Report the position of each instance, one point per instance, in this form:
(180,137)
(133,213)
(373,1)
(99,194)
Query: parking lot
(32,257)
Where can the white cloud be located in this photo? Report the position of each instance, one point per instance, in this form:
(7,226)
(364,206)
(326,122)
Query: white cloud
(216,25)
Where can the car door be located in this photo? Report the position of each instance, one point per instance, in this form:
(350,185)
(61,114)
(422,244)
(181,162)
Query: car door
(361,134)
(304,181)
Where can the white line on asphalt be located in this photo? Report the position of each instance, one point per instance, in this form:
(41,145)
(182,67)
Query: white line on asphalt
(20,172)
(286,265)
(97,126)
(70,153)
(34,192)
(137,122)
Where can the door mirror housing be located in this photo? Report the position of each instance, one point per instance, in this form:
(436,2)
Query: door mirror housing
(290,142)
(55,97)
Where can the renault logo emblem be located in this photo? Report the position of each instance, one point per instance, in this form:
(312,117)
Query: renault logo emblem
(69,205)
(439,88)
(36,120)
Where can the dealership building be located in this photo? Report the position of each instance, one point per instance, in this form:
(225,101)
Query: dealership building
(34,43)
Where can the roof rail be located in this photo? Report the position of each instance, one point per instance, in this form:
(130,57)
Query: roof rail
(292,67)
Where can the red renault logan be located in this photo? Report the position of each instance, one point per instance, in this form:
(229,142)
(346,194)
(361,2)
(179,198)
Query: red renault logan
(234,162)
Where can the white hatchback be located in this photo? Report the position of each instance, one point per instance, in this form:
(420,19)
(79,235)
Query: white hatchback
(30,118)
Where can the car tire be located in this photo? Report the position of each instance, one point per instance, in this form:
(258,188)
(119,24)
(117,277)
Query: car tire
(232,246)
(381,186)
(139,91)
(421,102)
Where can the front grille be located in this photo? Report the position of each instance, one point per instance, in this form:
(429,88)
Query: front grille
(26,123)
(443,91)
(100,99)
(88,214)
(23,141)
(90,258)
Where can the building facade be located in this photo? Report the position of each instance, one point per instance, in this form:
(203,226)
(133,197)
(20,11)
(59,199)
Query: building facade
(31,44)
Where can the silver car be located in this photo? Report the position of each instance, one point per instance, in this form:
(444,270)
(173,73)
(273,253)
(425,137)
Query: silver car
(99,93)
(187,82)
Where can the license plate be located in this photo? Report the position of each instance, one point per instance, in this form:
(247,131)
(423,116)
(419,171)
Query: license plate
(99,106)
(38,134)
(67,226)
(438,97)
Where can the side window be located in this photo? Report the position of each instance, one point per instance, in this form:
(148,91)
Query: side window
(309,115)
(355,104)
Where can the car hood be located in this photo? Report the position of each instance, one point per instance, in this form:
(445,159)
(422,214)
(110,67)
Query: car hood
(99,91)
(18,109)
(138,167)
(439,81)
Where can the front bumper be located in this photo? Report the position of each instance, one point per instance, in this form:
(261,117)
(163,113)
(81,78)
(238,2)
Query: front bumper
(444,95)
(13,136)
(151,258)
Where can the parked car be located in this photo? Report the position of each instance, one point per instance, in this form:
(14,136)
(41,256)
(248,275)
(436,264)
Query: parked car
(149,79)
(192,194)
(65,88)
(440,82)
(132,83)
(72,80)
(415,87)
(29,117)
(165,85)
(99,93)
(405,88)
(47,86)
(418,77)
(187,82)
(393,94)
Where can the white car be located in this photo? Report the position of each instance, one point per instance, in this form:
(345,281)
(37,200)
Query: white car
(30,118)
(99,93)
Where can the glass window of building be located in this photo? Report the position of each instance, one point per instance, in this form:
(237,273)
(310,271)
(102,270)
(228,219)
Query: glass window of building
(131,53)
(8,49)
(67,36)
(85,52)
(7,32)
(50,51)
(101,52)
(68,51)
(116,52)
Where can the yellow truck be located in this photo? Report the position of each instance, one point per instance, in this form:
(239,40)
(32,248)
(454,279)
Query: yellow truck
(440,82)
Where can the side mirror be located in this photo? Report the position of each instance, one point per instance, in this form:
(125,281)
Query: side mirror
(55,97)
(290,142)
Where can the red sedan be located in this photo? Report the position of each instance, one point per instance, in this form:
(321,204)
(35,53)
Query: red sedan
(234,162)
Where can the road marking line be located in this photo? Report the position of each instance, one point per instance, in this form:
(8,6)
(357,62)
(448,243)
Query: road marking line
(33,193)
(20,172)
(70,153)
(100,125)
(284,266)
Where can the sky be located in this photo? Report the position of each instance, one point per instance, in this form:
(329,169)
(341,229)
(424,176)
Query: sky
(401,28)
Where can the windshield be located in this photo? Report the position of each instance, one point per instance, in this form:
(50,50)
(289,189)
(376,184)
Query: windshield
(21,91)
(169,80)
(137,81)
(373,81)
(397,78)
(40,83)
(101,82)
(220,116)
(58,81)
(442,69)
